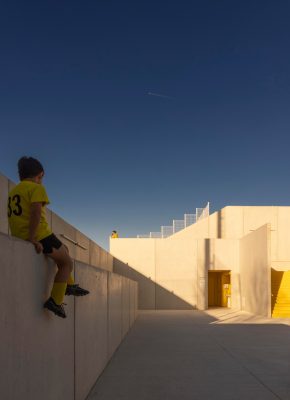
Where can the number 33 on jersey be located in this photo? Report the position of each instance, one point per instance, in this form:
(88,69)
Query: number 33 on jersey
(18,209)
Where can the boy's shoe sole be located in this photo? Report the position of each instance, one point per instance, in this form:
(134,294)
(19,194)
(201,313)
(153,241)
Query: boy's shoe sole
(75,290)
(55,308)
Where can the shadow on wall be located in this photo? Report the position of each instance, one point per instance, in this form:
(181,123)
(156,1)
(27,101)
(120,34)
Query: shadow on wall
(151,295)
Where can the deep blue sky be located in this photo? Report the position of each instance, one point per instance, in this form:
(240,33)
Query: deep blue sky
(74,84)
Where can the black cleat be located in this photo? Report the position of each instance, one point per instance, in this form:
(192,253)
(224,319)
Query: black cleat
(75,290)
(55,308)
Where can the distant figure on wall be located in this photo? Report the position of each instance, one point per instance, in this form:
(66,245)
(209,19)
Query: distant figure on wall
(114,235)
(27,220)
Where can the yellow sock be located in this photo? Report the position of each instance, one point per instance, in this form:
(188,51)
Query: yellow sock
(58,292)
(70,280)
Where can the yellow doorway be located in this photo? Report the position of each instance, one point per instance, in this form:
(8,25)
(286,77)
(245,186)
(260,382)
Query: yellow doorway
(219,289)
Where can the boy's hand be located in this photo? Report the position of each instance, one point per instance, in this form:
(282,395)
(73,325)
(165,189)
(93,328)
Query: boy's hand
(37,245)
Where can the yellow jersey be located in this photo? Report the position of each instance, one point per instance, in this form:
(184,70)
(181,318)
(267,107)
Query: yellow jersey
(19,206)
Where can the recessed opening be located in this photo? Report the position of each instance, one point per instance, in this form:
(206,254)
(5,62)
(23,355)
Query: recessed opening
(219,289)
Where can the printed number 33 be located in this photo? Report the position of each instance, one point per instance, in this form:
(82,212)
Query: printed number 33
(17,209)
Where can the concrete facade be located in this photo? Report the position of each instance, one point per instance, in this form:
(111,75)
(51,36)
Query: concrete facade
(255,271)
(173,272)
(43,356)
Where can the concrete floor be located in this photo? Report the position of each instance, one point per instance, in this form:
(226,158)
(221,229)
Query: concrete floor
(186,355)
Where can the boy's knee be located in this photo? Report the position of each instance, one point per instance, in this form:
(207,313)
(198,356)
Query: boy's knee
(65,264)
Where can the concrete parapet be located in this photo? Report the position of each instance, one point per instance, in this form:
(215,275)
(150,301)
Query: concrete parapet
(125,305)
(43,356)
(3,204)
(37,351)
(95,254)
(82,250)
(60,227)
(133,306)
(114,312)
(91,331)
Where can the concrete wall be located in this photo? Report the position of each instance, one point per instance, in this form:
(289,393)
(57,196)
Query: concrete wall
(164,269)
(176,269)
(173,272)
(93,254)
(175,262)
(234,222)
(46,357)
(91,328)
(255,270)
(3,204)
(140,256)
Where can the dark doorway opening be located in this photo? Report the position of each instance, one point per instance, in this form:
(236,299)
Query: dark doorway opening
(219,289)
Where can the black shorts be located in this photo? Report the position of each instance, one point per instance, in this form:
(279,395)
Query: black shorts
(49,243)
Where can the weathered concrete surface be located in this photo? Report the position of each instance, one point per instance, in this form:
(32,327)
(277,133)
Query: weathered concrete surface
(255,271)
(3,204)
(91,328)
(125,305)
(196,355)
(37,348)
(46,357)
(114,312)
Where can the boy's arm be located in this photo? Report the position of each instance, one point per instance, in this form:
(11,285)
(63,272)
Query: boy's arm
(35,215)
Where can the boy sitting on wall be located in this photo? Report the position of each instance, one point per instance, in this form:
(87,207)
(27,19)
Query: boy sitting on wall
(27,220)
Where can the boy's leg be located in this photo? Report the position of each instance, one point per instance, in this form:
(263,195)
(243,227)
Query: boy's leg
(64,263)
(65,267)
(63,281)
(72,288)
(71,280)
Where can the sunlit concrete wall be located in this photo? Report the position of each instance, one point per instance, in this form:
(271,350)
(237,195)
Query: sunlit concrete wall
(175,274)
(234,222)
(255,271)
(43,356)
(136,260)
(172,273)
(165,271)
(88,252)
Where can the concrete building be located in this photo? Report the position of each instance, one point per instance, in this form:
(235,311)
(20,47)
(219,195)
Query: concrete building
(238,257)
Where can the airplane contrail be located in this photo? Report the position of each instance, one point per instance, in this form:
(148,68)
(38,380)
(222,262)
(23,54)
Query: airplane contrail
(158,95)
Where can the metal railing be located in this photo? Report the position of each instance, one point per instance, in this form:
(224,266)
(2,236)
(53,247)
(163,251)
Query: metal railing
(73,241)
(189,219)
(179,224)
(166,231)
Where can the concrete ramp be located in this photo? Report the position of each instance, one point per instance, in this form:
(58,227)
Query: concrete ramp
(192,355)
